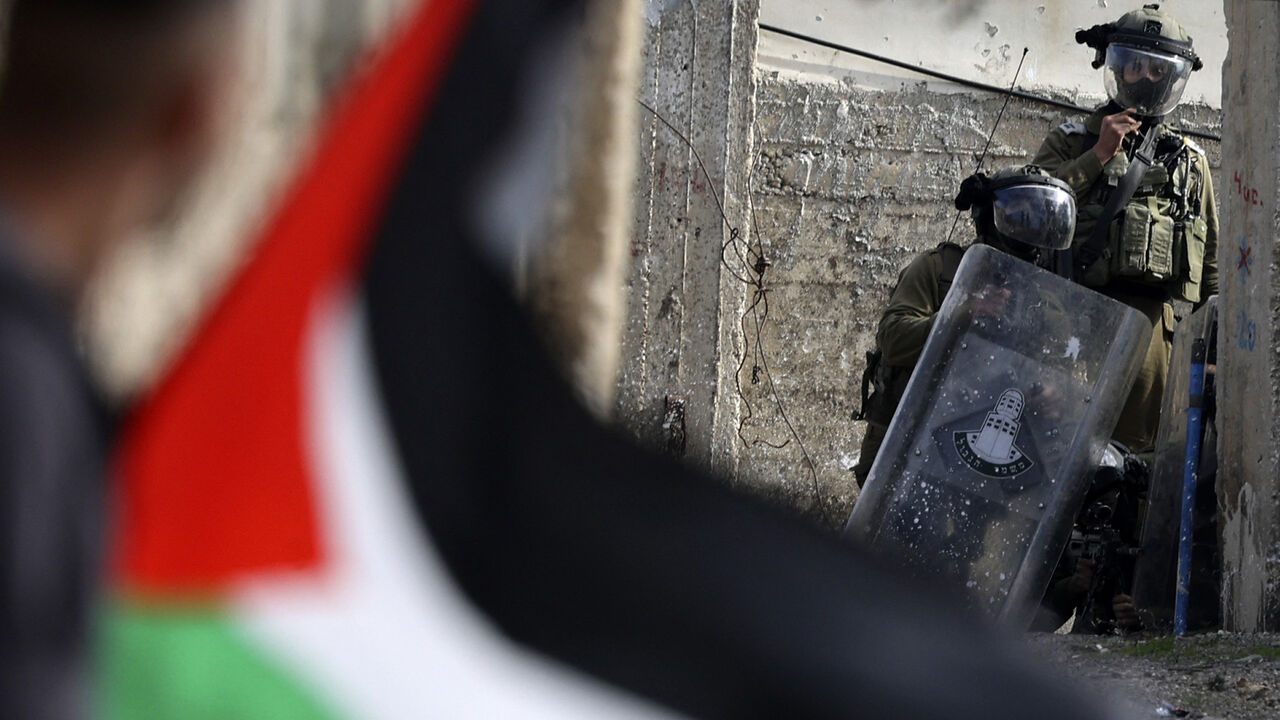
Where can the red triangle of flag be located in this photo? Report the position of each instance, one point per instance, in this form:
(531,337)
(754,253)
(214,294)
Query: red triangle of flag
(213,476)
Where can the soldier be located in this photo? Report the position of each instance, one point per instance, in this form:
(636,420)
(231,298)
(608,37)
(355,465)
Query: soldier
(1157,240)
(1020,210)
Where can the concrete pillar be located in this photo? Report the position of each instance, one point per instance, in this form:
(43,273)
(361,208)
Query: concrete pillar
(576,283)
(681,341)
(1248,361)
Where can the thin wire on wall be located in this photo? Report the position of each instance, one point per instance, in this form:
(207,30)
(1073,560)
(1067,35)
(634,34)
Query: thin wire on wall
(956,79)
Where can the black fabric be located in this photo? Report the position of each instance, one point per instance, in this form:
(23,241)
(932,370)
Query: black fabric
(974,190)
(951,255)
(600,555)
(52,439)
(1091,249)
(874,358)
(1090,139)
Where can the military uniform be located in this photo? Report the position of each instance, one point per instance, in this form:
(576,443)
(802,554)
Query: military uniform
(1163,245)
(901,335)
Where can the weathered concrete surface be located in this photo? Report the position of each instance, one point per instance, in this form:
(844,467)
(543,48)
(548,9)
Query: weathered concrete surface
(1248,360)
(857,163)
(699,76)
(850,175)
(849,183)
(978,39)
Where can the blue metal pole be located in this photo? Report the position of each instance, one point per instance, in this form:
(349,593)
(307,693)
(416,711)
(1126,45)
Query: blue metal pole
(1190,474)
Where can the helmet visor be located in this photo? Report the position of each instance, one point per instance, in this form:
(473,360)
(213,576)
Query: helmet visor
(1039,215)
(1150,82)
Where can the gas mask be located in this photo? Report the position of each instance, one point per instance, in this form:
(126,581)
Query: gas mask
(1146,58)
(1149,82)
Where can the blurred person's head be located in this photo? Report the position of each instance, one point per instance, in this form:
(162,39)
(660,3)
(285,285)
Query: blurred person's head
(107,110)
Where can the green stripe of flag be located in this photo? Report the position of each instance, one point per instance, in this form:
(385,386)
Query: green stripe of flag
(192,664)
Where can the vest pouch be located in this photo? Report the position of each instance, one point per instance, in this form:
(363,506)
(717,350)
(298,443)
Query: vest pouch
(1144,242)
(1194,255)
(1153,181)
(1161,240)
(1191,265)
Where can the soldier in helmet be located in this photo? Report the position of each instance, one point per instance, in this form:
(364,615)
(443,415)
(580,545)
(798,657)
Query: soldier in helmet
(1020,210)
(1147,231)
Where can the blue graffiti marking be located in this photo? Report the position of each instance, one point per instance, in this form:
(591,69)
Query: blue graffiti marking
(1248,332)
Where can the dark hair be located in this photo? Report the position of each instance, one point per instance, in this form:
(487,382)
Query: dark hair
(76,67)
(120,8)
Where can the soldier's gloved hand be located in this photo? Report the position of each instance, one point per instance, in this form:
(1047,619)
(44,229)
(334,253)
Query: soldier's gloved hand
(1126,614)
(1114,129)
(991,301)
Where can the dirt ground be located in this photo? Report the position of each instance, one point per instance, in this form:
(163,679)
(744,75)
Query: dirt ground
(1215,675)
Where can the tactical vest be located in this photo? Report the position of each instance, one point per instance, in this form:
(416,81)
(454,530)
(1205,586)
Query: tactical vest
(1158,239)
(883,385)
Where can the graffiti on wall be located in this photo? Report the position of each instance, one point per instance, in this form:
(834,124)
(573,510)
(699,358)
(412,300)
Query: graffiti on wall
(1247,193)
(1248,337)
(1245,264)
(1250,197)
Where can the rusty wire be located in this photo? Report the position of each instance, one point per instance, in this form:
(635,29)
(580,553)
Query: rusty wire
(753,266)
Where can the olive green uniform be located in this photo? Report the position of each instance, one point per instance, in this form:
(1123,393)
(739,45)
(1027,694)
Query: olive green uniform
(901,335)
(1163,245)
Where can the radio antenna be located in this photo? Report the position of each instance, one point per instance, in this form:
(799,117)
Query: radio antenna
(992,134)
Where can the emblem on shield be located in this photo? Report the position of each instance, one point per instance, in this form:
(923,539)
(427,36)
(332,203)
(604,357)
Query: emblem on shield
(990,450)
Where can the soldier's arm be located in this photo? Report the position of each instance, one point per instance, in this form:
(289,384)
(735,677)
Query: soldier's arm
(1209,209)
(1056,156)
(907,320)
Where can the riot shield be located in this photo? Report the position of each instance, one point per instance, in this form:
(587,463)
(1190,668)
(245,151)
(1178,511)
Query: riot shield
(1155,572)
(988,457)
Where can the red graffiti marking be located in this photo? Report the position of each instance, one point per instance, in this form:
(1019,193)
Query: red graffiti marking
(1249,194)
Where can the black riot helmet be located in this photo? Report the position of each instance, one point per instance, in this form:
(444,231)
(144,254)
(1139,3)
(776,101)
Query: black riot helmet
(1022,210)
(1147,58)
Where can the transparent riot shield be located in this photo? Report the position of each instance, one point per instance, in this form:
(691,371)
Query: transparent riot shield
(1155,572)
(989,455)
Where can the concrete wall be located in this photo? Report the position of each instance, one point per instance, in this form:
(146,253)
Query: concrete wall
(681,339)
(977,39)
(849,184)
(855,170)
(1248,362)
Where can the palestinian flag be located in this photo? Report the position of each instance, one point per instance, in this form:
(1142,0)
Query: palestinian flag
(362,492)
(269,561)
